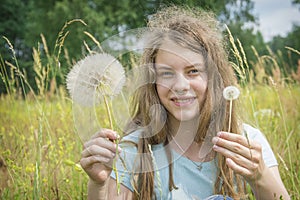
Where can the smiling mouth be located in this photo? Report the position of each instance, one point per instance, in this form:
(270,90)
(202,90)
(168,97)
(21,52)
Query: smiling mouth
(183,101)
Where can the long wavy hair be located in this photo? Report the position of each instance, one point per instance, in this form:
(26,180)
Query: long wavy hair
(198,31)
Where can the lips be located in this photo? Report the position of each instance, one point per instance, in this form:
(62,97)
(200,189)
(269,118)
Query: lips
(183,101)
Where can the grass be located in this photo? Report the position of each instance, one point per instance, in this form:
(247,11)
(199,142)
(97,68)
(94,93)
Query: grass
(41,151)
(40,147)
(275,111)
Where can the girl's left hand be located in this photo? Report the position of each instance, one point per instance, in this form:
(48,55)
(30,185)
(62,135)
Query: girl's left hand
(242,155)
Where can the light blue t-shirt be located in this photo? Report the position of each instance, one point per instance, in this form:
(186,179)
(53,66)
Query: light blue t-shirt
(192,183)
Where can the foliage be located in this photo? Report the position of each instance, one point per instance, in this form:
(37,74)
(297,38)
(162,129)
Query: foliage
(40,149)
(279,44)
(25,21)
(296,1)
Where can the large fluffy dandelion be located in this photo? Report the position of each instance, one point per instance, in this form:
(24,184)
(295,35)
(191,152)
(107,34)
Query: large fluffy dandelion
(95,79)
(94,76)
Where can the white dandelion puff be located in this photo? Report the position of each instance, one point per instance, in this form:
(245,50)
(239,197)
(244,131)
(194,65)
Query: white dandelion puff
(231,93)
(94,76)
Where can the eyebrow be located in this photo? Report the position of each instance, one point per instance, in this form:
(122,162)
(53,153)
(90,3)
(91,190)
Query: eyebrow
(163,67)
(196,65)
(167,66)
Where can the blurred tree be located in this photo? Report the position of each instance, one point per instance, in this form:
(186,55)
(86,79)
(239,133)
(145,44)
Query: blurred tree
(296,1)
(12,27)
(105,18)
(12,20)
(288,58)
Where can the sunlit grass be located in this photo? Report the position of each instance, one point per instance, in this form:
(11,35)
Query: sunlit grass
(41,147)
(41,150)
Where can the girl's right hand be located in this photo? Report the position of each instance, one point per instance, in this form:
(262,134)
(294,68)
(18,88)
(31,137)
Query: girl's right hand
(98,154)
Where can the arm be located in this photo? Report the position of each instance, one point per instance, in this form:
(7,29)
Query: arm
(108,191)
(96,160)
(125,193)
(97,191)
(270,186)
(245,158)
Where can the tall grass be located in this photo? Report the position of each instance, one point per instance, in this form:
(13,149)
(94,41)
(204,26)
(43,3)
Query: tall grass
(40,148)
(272,104)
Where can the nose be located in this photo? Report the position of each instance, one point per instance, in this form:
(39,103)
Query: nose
(181,84)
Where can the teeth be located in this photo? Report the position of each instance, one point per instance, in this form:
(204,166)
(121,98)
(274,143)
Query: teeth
(182,100)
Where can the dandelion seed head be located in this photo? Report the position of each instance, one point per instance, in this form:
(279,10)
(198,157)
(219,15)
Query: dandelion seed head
(231,93)
(94,76)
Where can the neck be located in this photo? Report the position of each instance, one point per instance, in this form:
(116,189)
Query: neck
(184,131)
(182,140)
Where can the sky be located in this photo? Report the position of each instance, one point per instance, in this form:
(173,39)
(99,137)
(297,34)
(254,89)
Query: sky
(276,17)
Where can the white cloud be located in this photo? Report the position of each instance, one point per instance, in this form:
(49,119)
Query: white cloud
(276,17)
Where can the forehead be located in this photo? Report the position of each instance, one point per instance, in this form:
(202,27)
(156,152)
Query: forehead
(173,54)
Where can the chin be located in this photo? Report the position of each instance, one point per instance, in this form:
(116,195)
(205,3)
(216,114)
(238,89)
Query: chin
(186,117)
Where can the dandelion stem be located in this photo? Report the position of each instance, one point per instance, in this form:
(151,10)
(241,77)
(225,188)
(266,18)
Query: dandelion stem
(248,141)
(108,112)
(230,111)
(107,106)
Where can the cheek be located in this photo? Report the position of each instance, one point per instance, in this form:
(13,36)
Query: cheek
(161,91)
(199,86)
(200,90)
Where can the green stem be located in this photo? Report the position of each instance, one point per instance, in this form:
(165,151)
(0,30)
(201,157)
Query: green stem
(116,141)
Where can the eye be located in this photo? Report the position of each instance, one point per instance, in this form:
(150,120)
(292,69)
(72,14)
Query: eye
(193,71)
(165,74)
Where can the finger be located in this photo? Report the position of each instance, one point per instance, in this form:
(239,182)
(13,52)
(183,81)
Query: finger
(237,158)
(239,144)
(102,142)
(238,169)
(232,147)
(89,161)
(106,133)
(235,138)
(96,150)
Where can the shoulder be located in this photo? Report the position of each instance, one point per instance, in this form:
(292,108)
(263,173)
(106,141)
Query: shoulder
(132,137)
(256,135)
(128,144)
(252,132)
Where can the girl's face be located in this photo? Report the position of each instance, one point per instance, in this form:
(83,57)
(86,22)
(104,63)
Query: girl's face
(181,81)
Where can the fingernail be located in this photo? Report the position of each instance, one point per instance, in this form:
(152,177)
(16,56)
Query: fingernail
(215,147)
(215,140)
(119,149)
(115,134)
(113,155)
(219,134)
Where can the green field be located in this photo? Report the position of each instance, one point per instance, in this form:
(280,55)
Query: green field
(40,147)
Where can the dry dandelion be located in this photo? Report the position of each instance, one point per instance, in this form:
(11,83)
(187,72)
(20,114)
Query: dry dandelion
(230,93)
(95,79)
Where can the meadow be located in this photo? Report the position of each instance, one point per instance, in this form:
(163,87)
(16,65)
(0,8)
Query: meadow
(40,147)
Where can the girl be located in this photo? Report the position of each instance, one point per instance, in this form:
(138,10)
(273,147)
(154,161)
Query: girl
(176,146)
